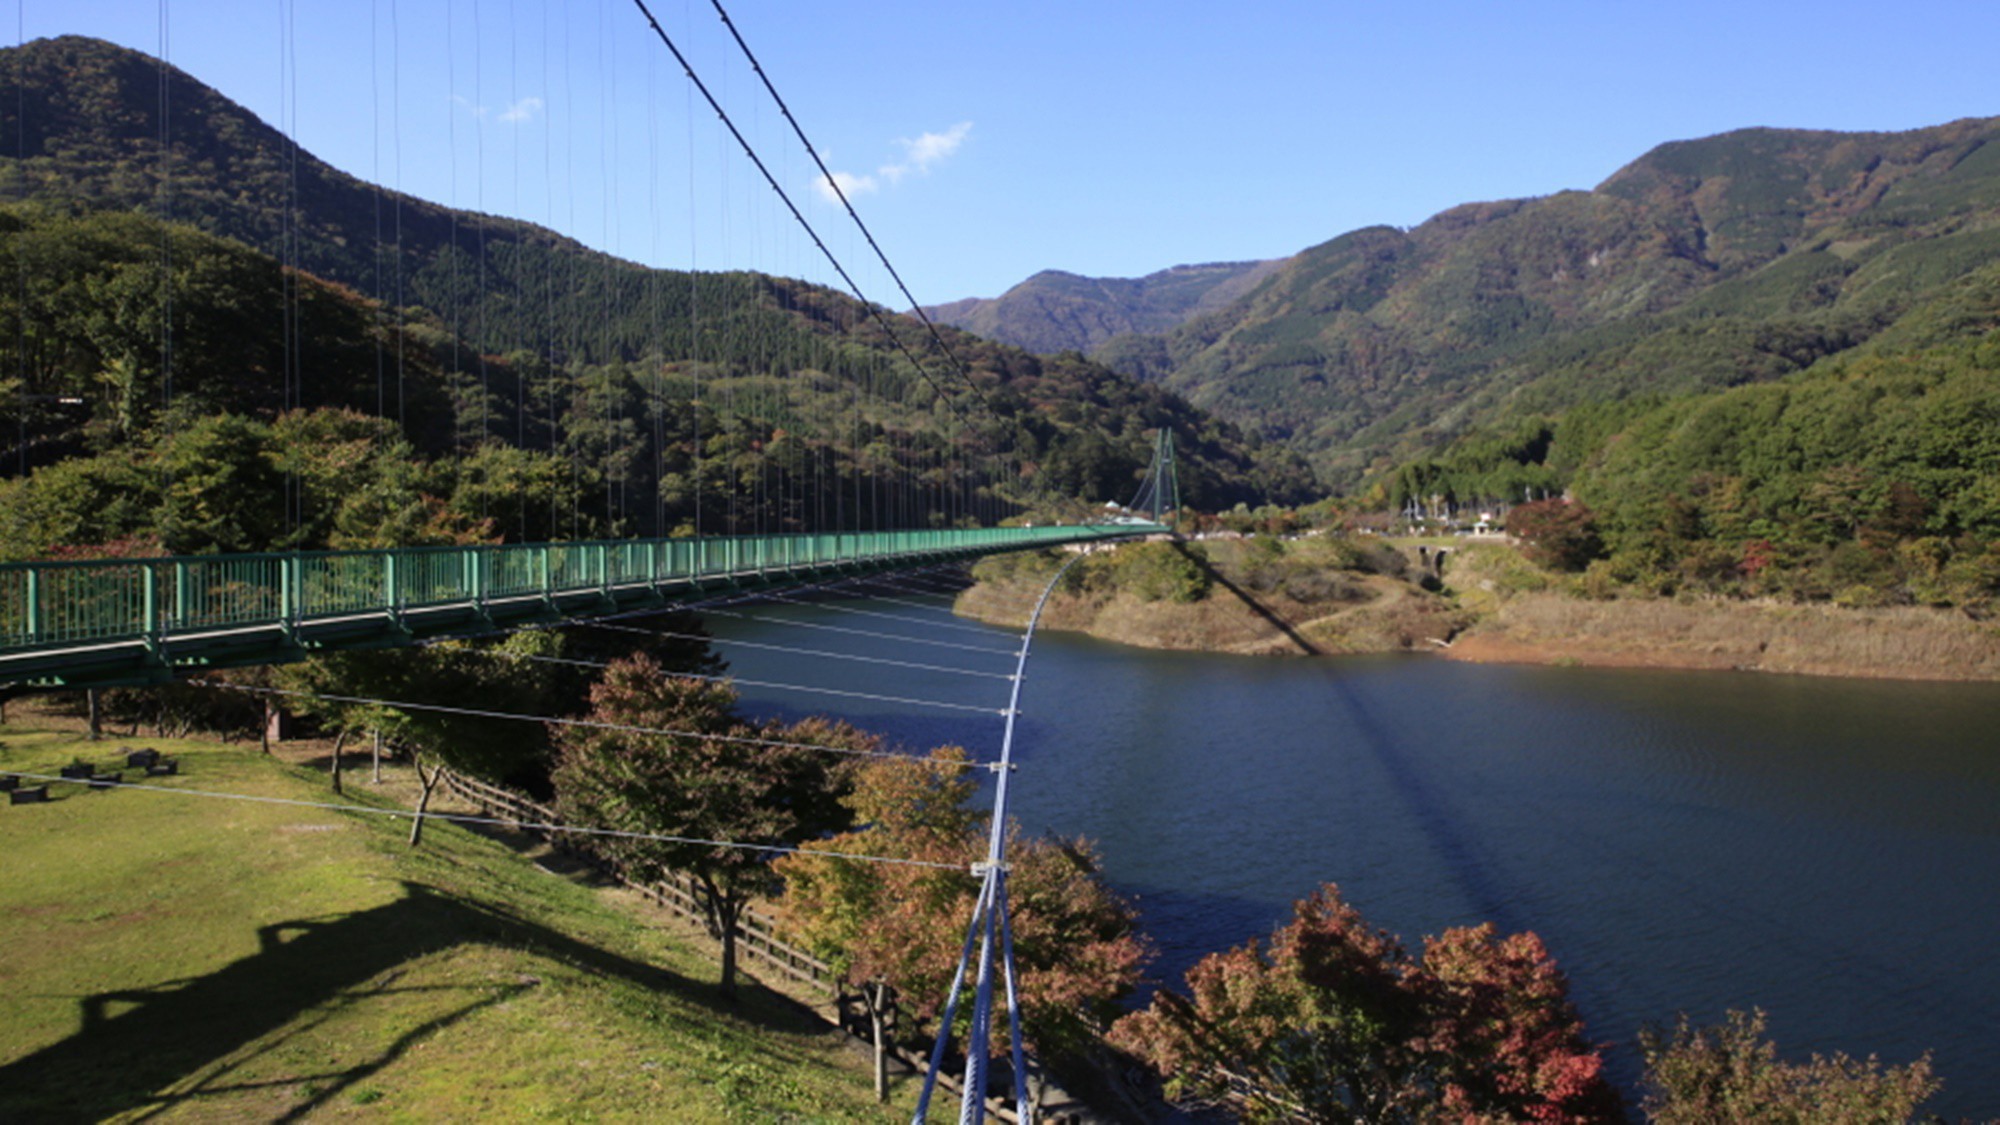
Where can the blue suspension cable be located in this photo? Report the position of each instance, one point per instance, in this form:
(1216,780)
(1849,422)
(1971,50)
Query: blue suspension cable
(992,898)
(1025,1111)
(950,1010)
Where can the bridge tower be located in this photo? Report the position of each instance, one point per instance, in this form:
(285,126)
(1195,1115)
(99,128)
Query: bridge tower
(1160,491)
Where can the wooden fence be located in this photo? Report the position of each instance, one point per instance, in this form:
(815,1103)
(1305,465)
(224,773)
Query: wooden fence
(757,936)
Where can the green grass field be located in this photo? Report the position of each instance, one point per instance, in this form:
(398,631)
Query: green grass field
(185,958)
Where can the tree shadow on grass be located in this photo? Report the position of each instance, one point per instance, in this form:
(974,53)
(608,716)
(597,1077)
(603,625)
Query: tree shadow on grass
(134,1043)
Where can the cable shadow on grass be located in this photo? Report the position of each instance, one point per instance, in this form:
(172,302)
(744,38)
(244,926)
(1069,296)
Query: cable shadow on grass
(323,1088)
(131,1044)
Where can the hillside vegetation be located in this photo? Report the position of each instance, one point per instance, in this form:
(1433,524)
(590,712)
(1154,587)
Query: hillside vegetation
(1055,311)
(1870,480)
(1257,596)
(518,363)
(1762,364)
(1704,264)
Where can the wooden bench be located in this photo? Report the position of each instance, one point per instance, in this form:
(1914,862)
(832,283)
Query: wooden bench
(165,767)
(79,772)
(105,780)
(142,759)
(33,795)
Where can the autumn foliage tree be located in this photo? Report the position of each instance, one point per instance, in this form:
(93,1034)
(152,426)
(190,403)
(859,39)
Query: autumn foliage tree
(1560,534)
(1732,1073)
(1502,1034)
(895,930)
(716,777)
(1336,1022)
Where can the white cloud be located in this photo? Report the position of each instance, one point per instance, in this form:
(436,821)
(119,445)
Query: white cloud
(523,110)
(918,157)
(930,148)
(849,184)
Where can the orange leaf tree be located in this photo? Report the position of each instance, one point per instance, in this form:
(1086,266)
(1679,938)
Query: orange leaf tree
(1335,1021)
(896,929)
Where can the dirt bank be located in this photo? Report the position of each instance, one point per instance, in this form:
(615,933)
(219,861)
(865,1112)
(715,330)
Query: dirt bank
(1496,608)
(1385,615)
(1815,640)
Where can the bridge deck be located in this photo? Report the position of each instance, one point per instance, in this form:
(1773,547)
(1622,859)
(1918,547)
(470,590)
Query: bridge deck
(128,621)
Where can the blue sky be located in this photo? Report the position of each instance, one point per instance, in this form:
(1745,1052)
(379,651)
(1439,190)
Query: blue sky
(988,141)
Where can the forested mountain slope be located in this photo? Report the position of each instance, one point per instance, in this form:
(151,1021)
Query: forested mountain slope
(559,399)
(1703,264)
(1055,311)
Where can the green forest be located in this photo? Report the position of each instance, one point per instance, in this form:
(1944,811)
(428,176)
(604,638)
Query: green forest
(1870,479)
(213,364)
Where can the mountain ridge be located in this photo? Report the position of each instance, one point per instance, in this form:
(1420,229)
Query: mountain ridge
(1056,310)
(1701,264)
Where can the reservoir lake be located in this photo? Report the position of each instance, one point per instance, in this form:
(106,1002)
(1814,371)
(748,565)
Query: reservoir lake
(1826,850)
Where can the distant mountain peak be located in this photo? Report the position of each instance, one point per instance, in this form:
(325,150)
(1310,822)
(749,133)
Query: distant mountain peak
(1056,310)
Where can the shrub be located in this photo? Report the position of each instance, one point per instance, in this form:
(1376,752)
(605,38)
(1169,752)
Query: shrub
(1731,1073)
(1156,572)
(1310,587)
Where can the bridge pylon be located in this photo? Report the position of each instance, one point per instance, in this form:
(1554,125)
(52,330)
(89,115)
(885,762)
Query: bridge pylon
(1160,490)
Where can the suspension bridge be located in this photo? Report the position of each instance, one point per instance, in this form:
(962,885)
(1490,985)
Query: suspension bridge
(901,470)
(108,623)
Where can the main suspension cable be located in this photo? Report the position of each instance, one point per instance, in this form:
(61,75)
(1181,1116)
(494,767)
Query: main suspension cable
(769,620)
(827,177)
(873,310)
(782,600)
(796,651)
(872,697)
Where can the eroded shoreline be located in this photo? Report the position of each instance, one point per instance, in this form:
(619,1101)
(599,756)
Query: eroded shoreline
(1546,628)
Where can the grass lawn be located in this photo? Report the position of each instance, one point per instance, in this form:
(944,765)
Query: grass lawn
(197,959)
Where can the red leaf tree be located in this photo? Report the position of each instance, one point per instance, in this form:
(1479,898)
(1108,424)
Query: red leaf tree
(1561,534)
(1502,1033)
(1335,1021)
(895,930)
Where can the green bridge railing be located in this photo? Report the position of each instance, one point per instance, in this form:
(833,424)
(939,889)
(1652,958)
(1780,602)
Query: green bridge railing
(91,603)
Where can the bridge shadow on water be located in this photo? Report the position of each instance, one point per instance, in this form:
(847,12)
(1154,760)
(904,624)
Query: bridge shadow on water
(1244,596)
(1452,835)
(1448,833)
(134,1043)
